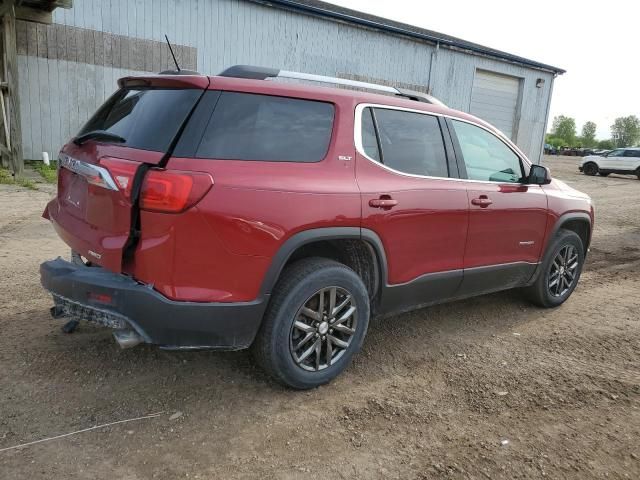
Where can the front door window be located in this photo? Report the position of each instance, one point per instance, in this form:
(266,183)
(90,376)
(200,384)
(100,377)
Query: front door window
(486,157)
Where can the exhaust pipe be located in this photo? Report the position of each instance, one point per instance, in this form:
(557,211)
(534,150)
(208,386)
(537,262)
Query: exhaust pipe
(127,338)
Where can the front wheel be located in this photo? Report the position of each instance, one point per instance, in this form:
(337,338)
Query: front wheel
(560,271)
(590,169)
(316,321)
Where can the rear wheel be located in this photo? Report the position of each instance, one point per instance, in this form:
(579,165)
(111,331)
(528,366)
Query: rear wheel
(316,321)
(590,169)
(560,271)
(638,173)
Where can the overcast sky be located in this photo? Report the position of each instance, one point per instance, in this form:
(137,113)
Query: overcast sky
(597,42)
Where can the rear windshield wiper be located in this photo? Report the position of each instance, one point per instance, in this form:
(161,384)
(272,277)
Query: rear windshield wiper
(98,134)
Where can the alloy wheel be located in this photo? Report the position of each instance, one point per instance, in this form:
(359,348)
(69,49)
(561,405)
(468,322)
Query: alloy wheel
(563,272)
(323,329)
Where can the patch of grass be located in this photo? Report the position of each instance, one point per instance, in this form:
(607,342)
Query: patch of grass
(8,179)
(26,183)
(48,172)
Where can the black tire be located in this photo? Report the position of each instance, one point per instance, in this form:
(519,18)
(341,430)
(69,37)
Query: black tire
(590,169)
(541,293)
(604,174)
(638,173)
(299,284)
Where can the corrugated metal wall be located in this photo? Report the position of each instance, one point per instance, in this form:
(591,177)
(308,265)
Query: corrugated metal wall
(58,93)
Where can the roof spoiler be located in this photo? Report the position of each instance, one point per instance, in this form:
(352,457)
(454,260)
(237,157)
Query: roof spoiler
(263,73)
(165,80)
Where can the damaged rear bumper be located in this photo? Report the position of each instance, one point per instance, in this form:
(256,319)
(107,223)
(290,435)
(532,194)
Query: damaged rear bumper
(118,301)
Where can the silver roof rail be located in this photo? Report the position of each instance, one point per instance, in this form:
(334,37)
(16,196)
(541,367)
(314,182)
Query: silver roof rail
(262,73)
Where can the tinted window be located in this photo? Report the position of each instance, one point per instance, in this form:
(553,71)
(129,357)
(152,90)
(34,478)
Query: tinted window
(486,157)
(147,119)
(411,142)
(632,153)
(616,153)
(260,127)
(369,140)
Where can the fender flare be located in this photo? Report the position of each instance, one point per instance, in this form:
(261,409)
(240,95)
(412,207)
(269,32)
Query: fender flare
(568,217)
(293,243)
(562,220)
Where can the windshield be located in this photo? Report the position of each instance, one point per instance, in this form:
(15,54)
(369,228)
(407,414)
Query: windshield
(147,119)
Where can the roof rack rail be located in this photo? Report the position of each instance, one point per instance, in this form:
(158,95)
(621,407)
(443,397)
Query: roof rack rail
(262,73)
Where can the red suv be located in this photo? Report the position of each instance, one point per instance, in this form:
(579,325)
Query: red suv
(236,211)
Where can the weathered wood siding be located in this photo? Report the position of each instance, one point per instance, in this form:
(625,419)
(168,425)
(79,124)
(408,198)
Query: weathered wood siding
(61,88)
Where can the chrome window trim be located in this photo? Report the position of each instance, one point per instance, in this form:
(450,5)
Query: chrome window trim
(88,170)
(357,138)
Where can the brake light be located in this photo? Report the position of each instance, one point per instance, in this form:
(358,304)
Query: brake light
(168,191)
(171,191)
(122,173)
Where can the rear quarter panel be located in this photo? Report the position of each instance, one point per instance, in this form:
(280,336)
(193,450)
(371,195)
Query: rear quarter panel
(221,249)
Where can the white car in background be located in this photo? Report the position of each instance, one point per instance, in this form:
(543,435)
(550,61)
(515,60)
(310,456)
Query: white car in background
(625,161)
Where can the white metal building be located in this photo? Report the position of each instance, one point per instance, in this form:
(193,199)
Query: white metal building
(67,68)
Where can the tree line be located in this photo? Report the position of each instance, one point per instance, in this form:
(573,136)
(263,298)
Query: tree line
(625,132)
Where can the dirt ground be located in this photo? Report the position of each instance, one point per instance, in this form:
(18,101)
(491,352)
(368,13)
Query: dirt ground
(433,394)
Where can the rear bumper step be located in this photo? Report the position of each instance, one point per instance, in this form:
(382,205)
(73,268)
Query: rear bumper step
(140,314)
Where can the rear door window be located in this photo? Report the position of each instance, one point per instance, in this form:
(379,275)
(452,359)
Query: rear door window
(248,126)
(410,142)
(147,119)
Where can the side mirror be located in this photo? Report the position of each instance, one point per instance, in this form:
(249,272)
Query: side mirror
(539,175)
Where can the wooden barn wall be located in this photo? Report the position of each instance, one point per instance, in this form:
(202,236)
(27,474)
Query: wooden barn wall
(69,68)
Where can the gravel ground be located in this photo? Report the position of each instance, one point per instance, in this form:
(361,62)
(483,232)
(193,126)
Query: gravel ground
(485,388)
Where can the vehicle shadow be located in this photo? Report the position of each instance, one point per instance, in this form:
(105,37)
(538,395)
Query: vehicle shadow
(90,356)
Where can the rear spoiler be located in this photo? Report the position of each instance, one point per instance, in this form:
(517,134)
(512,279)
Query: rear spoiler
(194,80)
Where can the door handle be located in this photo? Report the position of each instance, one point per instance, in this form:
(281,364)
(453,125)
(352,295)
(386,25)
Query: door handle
(483,201)
(384,202)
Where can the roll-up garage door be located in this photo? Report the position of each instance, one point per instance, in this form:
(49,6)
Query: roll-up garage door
(495,99)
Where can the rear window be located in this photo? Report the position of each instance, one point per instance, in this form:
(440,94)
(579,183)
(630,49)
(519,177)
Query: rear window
(247,126)
(147,119)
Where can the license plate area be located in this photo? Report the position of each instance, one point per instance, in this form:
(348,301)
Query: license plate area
(75,190)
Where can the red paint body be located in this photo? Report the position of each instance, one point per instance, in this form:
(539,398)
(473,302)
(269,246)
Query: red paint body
(220,249)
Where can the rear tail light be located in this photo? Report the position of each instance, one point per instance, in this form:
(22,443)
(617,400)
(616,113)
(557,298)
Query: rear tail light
(172,191)
(122,172)
(167,191)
